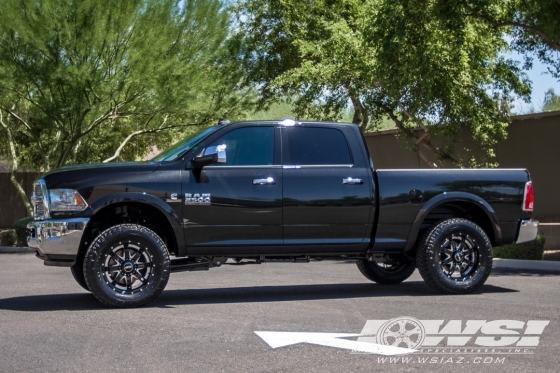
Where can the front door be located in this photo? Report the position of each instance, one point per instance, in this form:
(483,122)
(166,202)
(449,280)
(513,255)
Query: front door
(238,204)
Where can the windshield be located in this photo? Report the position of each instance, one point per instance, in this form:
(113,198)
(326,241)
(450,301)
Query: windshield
(183,146)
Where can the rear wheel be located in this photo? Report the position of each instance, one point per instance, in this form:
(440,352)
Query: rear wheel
(386,273)
(454,256)
(127,265)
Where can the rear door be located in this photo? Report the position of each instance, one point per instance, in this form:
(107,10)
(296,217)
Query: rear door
(327,194)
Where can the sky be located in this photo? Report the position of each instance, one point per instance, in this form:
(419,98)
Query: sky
(542,81)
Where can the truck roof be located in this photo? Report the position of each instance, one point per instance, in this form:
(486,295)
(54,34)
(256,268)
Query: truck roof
(291,122)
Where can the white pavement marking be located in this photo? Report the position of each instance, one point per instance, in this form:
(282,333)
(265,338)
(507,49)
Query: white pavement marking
(281,339)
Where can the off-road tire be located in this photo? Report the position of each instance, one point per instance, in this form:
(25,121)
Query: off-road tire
(391,273)
(127,265)
(454,242)
(78,272)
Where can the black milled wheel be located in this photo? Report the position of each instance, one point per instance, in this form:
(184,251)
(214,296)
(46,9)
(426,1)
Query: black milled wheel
(454,256)
(78,272)
(386,273)
(127,265)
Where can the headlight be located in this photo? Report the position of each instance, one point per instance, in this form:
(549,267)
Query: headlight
(66,200)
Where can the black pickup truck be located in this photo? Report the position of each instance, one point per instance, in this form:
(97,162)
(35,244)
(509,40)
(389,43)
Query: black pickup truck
(269,190)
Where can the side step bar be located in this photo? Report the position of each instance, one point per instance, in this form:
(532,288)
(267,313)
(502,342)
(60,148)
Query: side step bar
(182,267)
(205,263)
(194,264)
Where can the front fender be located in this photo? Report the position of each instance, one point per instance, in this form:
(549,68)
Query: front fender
(147,199)
(144,198)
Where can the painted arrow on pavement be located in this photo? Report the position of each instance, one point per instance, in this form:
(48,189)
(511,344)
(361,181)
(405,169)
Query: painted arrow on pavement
(281,339)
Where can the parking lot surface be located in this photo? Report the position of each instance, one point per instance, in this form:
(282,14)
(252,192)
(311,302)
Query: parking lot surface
(206,321)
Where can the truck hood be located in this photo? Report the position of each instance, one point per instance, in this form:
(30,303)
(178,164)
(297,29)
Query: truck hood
(144,164)
(84,175)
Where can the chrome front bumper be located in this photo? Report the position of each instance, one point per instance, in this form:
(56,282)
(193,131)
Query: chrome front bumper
(528,230)
(56,237)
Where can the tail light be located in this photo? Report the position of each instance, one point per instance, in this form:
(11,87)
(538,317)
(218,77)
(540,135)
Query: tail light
(528,197)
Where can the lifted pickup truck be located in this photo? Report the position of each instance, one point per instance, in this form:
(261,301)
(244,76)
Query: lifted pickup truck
(267,190)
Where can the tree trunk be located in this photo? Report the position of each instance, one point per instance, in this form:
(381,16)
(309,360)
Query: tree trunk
(420,140)
(21,193)
(14,167)
(361,117)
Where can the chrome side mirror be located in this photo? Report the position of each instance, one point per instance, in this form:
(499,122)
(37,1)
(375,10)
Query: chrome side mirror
(220,150)
(212,154)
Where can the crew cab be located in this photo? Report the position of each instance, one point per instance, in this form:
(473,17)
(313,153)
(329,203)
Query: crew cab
(274,190)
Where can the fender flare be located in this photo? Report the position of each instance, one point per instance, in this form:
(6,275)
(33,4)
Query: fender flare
(172,218)
(144,198)
(447,197)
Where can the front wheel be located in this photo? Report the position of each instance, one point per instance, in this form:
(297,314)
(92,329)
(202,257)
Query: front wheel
(127,265)
(454,256)
(386,273)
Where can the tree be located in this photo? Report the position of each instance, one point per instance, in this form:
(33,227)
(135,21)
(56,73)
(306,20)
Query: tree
(400,59)
(82,78)
(551,101)
(533,26)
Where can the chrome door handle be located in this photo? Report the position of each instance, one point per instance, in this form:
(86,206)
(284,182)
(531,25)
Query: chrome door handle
(267,181)
(351,180)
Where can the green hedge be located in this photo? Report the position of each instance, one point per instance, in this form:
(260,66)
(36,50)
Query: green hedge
(533,250)
(8,237)
(20,227)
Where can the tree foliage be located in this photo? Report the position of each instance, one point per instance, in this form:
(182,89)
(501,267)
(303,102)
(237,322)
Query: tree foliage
(80,77)
(423,64)
(76,70)
(533,26)
(551,101)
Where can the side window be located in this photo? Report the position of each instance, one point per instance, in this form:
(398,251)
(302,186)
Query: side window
(248,146)
(315,146)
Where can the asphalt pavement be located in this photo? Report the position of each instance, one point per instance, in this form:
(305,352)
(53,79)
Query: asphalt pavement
(206,322)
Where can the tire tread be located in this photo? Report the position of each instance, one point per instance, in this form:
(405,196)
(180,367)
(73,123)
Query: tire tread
(396,278)
(427,240)
(92,251)
(77,271)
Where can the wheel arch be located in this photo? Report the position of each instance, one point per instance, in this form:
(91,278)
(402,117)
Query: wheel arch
(137,208)
(453,205)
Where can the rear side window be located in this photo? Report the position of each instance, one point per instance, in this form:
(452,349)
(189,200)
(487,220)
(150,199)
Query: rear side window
(314,146)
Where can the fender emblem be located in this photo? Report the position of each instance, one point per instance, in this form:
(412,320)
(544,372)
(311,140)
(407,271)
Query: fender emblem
(197,199)
(173,198)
